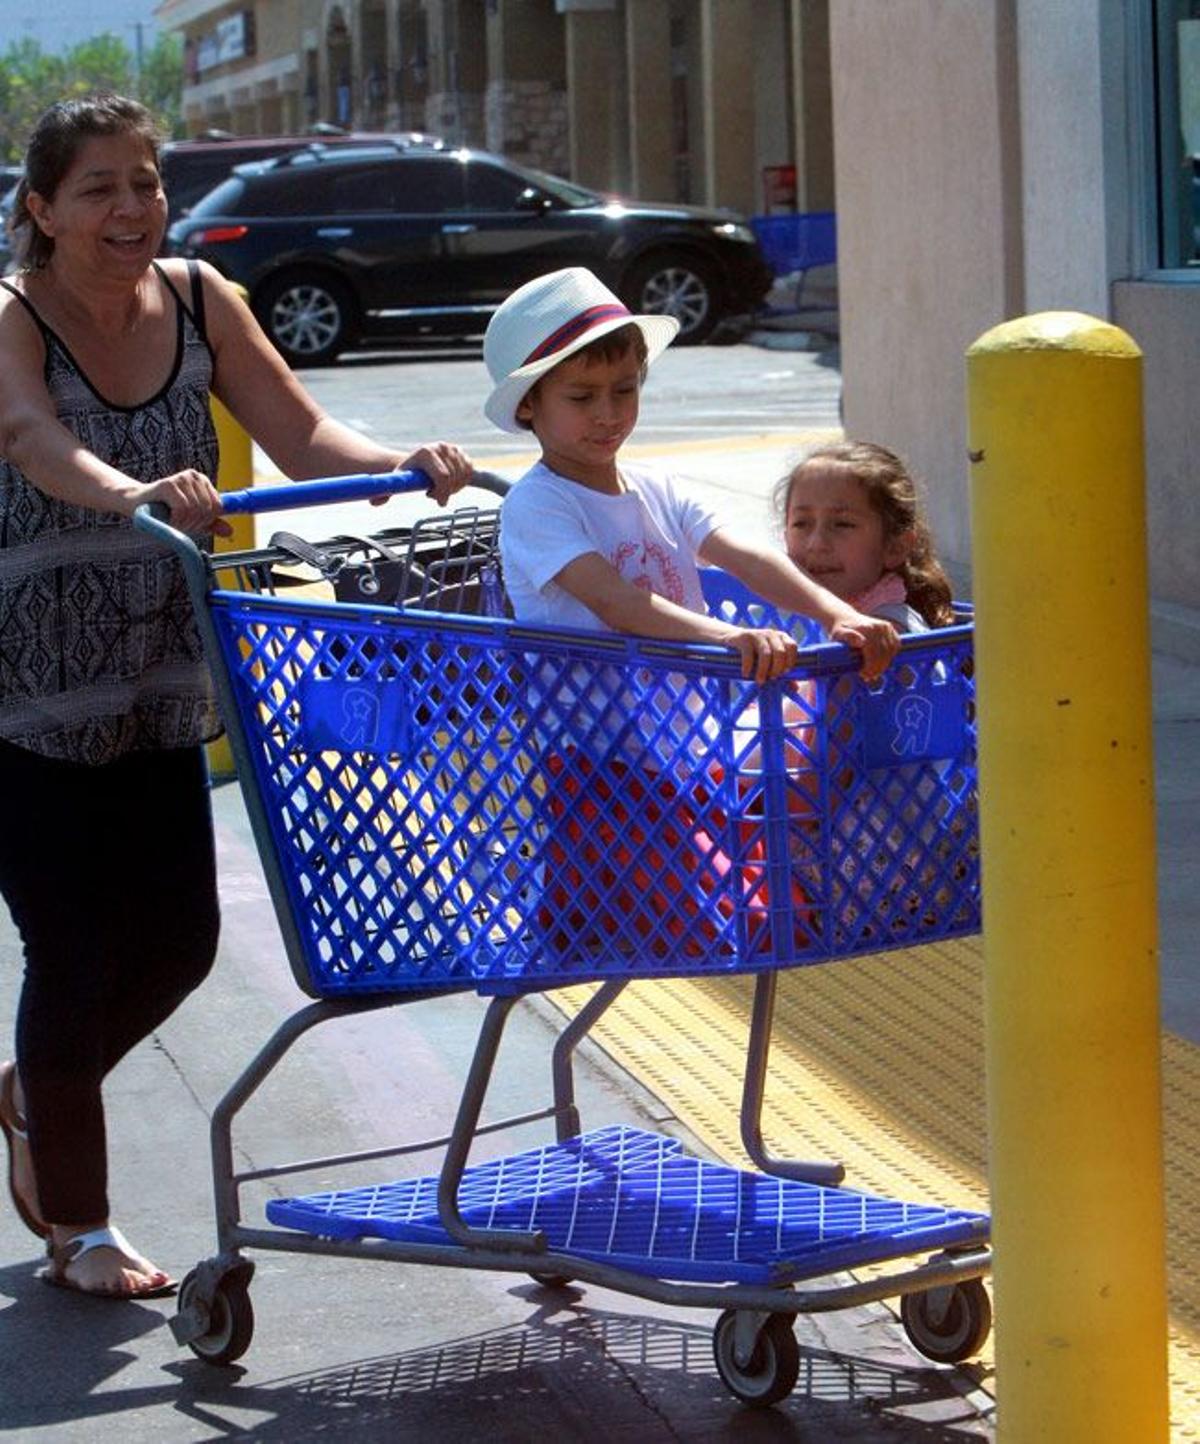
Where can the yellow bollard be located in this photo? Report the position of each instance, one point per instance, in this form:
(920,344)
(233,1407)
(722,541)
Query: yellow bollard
(1067,831)
(235,471)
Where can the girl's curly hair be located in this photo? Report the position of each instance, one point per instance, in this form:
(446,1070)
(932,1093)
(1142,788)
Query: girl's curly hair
(891,491)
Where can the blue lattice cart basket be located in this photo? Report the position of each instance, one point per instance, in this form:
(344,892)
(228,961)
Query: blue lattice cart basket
(445,801)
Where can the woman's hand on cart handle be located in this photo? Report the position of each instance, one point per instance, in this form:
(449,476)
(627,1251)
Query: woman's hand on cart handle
(192,502)
(447,466)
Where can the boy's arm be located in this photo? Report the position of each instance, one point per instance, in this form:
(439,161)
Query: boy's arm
(774,577)
(622,607)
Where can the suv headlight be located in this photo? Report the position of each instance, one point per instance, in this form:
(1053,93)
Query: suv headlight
(731,231)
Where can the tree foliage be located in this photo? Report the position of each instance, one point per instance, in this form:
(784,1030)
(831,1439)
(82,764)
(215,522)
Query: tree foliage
(31,79)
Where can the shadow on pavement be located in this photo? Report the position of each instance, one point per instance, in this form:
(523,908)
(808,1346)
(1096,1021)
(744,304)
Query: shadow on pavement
(562,1373)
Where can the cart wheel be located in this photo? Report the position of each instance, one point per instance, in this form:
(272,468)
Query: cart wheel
(231,1320)
(949,1324)
(551,1281)
(774,1365)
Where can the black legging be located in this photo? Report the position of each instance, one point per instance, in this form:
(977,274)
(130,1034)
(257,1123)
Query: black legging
(110,876)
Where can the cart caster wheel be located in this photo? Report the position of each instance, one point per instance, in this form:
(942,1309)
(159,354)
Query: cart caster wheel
(551,1281)
(231,1320)
(773,1367)
(949,1324)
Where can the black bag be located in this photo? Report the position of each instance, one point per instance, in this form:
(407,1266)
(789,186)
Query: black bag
(443,564)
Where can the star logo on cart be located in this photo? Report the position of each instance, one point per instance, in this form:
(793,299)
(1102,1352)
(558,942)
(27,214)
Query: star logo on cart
(360,712)
(914,721)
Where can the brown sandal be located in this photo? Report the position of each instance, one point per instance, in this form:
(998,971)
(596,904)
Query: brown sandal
(12,1125)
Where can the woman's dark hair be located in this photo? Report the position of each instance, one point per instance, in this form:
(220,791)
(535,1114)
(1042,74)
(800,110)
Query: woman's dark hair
(612,346)
(57,139)
(891,492)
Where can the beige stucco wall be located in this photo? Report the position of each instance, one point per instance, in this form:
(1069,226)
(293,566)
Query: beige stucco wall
(1000,178)
(1164,320)
(925,261)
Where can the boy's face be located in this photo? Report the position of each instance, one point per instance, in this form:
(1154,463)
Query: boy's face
(582,412)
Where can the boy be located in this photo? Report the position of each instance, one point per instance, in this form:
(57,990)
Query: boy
(591,543)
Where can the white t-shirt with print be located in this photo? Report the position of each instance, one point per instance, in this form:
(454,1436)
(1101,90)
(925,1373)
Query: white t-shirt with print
(650,534)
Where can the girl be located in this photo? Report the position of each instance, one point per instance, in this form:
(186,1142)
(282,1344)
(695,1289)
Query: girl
(851,521)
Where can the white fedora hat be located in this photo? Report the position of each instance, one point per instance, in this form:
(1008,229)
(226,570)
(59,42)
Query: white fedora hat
(545,321)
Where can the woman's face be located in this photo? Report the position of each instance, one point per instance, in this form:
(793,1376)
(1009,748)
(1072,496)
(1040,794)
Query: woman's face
(835,534)
(109,212)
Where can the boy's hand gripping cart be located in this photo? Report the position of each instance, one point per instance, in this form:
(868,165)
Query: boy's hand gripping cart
(445,801)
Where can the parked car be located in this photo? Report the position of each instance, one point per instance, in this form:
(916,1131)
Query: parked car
(341,247)
(191,168)
(8,194)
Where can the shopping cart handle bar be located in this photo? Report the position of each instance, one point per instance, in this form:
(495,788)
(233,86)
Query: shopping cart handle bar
(331,489)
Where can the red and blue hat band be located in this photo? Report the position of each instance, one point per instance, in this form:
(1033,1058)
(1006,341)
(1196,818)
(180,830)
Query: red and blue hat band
(575,327)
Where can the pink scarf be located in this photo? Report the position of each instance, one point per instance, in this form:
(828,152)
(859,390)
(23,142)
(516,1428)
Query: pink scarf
(888,589)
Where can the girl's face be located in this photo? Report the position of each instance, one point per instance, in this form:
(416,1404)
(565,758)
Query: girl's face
(835,534)
(109,211)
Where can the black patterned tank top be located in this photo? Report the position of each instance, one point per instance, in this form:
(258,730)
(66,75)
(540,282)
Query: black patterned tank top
(99,652)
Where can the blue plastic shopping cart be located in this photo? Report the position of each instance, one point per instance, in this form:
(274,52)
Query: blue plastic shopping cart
(448,801)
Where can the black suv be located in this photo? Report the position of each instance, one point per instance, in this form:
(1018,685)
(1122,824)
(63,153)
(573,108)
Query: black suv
(341,247)
(190,168)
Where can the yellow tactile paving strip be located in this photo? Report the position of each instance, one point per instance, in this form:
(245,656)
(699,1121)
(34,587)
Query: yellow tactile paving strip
(878,1062)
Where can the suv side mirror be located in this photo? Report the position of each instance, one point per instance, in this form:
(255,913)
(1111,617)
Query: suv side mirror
(533,200)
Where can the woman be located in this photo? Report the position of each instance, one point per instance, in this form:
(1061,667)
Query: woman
(106,850)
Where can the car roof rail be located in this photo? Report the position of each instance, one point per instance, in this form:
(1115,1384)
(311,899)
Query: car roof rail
(344,154)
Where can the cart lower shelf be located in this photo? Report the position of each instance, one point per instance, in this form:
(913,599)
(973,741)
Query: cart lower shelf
(634,1199)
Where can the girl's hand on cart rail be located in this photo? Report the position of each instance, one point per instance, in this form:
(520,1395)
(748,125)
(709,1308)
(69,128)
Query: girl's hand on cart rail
(874,637)
(766,652)
(447,466)
(192,502)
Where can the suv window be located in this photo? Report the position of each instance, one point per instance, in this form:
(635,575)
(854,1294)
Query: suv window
(427,187)
(290,192)
(491,189)
(223,200)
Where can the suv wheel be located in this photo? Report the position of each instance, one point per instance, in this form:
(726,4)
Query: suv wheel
(679,286)
(309,317)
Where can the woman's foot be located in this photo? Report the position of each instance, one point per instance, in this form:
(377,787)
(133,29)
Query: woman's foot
(22,1185)
(101,1261)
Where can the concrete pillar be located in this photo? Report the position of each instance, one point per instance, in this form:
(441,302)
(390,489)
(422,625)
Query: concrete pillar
(338,52)
(812,109)
(373,76)
(393,59)
(357,67)
(526,89)
(727,76)
(457,47)
(648,68)
(595,98)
